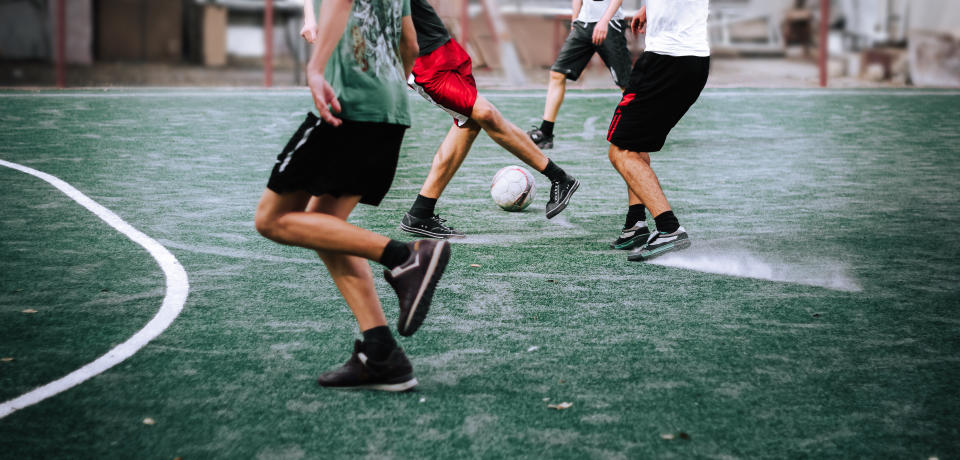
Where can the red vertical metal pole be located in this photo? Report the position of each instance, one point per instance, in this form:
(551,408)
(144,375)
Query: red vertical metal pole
(268,44)
(61,44)
(824,36)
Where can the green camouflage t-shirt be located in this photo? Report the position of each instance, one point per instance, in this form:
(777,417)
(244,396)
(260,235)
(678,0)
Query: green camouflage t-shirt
(365,69)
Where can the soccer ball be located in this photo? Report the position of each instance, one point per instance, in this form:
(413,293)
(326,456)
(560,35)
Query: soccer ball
(513,188)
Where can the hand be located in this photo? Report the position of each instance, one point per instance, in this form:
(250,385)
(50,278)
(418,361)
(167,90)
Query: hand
(639,22)
(600,32)
(309,32)
(323,96)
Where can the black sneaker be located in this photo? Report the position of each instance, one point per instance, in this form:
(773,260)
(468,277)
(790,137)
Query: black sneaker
(560,193)
(433,227)
(392,374)
(632,237)
(660,244)
(538,138)
(415,280)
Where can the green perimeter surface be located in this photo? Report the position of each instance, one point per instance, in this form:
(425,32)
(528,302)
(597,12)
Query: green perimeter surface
(815,315)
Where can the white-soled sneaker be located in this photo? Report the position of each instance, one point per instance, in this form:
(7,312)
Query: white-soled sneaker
(659,244)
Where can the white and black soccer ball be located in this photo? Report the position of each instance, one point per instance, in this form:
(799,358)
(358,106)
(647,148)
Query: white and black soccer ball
(513,188)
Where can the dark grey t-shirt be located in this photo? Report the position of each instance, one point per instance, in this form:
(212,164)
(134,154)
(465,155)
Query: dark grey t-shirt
(431,33)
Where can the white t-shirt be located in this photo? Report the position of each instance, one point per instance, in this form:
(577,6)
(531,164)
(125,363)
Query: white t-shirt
(593,10)
(677,27)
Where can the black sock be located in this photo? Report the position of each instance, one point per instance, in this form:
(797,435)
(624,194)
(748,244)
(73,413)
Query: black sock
(554,172)
(667,222)
(378,343)
(423,207)
(546,127)
(394,254)
(636,213)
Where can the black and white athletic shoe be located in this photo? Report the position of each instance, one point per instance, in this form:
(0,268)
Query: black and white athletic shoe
(433,227)
(560,193)
(415,280)
(360,372)
(544,142)
(659,244)
(632,237)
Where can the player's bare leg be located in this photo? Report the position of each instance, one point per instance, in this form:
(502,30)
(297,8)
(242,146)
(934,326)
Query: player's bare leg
(507,134)
(351,274)
(283,218)
(640,178)
(422,218)
(643,182)
(449,157)
(556,89)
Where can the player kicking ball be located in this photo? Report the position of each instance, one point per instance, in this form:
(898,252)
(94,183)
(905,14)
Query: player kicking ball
(666,80)
(598,27)
(333,162)
(443,75)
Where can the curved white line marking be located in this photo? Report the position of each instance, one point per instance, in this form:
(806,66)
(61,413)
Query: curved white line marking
(177,288)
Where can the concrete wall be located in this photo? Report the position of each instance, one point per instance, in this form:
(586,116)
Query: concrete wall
(28,30)
(24,31)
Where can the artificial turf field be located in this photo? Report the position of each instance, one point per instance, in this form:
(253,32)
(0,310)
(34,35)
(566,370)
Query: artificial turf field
(816,314)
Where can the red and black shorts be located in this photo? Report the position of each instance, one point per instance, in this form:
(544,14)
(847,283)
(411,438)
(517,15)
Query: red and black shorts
(355,158)
(661,90)
(445,78)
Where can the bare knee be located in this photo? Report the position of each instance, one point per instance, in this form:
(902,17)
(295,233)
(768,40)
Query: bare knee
(557,78)
(619,157)
(616,155)
(485,114)
(263,224)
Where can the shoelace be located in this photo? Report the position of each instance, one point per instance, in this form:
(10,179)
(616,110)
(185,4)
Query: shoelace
(555,191)
(439,220)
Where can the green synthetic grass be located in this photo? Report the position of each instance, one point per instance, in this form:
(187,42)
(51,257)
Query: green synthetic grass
(816,314)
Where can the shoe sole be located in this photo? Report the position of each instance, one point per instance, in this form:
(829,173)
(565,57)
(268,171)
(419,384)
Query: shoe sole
(396,387)
(439,236)
(563,204)
(669,247)
(421,304)
(631,243)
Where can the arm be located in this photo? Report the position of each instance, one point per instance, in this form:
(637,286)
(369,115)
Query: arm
(309,30)
(409,50)
(639,23)
(600,30)
(334,15)
(577,4)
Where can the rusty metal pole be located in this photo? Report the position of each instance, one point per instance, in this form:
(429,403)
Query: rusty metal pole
(61,44)
(824,36)
(268,44)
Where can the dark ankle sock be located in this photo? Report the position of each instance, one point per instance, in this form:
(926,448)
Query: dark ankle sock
(394,254)
(667,222)
(546,127)
(636,213)
(423,207)
(553,172)
(378,343)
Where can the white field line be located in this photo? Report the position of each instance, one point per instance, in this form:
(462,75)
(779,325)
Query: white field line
(176,296)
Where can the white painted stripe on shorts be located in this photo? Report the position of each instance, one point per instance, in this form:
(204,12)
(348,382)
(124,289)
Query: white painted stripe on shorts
(176,296)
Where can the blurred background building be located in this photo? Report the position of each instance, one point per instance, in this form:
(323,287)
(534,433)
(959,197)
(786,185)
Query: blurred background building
(513,42)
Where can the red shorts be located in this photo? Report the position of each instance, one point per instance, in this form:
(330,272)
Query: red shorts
(445,78)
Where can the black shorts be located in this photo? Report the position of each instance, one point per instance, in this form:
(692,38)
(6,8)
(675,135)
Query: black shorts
(661,90)
(355,158)
(579,48)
